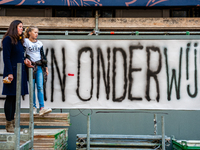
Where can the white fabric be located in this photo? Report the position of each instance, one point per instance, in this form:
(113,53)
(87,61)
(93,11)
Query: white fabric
(74,66)
(33,49)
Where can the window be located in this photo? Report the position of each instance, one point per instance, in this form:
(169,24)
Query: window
(82,12)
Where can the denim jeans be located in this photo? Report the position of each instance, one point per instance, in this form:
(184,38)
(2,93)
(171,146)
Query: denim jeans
(39,83)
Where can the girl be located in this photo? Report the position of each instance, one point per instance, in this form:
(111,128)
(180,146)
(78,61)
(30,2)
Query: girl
(13,53)
(35,53)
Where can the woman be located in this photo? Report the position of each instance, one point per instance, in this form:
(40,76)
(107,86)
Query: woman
(13,53)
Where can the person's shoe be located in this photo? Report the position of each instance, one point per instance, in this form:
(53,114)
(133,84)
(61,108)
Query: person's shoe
(13,123)
(44,111)
(34,111)
(9,126)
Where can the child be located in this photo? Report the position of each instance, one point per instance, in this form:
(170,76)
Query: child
(35,53)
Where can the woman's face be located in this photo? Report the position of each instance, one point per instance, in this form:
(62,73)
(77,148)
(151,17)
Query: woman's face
(20,29)
(34,33)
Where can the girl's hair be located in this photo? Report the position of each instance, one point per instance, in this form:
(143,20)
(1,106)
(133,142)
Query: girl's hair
(29,29)
(13,33)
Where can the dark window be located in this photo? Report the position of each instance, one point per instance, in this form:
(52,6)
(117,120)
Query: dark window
(84,13)
(63,13)
(107,13)
(196,12)
(179,13)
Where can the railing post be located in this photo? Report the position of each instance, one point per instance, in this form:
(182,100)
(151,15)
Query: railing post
(18,105)
(163,133)
(31,119)
(88,132)
(155,124)
(96,22)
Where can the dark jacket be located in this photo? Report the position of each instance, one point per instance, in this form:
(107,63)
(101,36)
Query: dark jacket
(13,54)
(42,63)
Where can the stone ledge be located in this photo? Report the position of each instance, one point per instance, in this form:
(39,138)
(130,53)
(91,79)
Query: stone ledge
(106,23)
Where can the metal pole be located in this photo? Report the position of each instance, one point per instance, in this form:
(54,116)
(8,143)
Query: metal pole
(155,124)
(96,22)
(117,32)
(88,132)
(18,104)
(31,119)
(163,133)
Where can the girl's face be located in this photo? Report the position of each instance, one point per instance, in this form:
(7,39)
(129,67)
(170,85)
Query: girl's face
(20,29)
(33,34)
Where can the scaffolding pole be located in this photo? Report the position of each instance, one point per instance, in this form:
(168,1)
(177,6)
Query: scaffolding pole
(18,105)
(31,119)
(88,132)
(155,124)
(96,22)
(163,133)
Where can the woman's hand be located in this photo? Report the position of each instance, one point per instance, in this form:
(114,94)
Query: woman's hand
(47,71)
(10,77)
(28,63)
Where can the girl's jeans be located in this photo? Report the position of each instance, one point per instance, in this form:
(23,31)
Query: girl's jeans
(39,83)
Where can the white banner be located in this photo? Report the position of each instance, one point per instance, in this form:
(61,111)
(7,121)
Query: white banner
(121,74)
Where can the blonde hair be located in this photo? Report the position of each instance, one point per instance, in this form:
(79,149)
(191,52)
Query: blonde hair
(29,29)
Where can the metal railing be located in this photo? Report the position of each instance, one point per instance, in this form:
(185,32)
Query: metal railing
(97,32)
(91,141)
(12,140)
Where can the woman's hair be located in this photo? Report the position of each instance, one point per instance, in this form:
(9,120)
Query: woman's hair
(13,33)
(29,29)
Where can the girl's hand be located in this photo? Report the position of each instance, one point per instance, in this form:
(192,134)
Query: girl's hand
(47,71)
(28,63)
(10,77)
